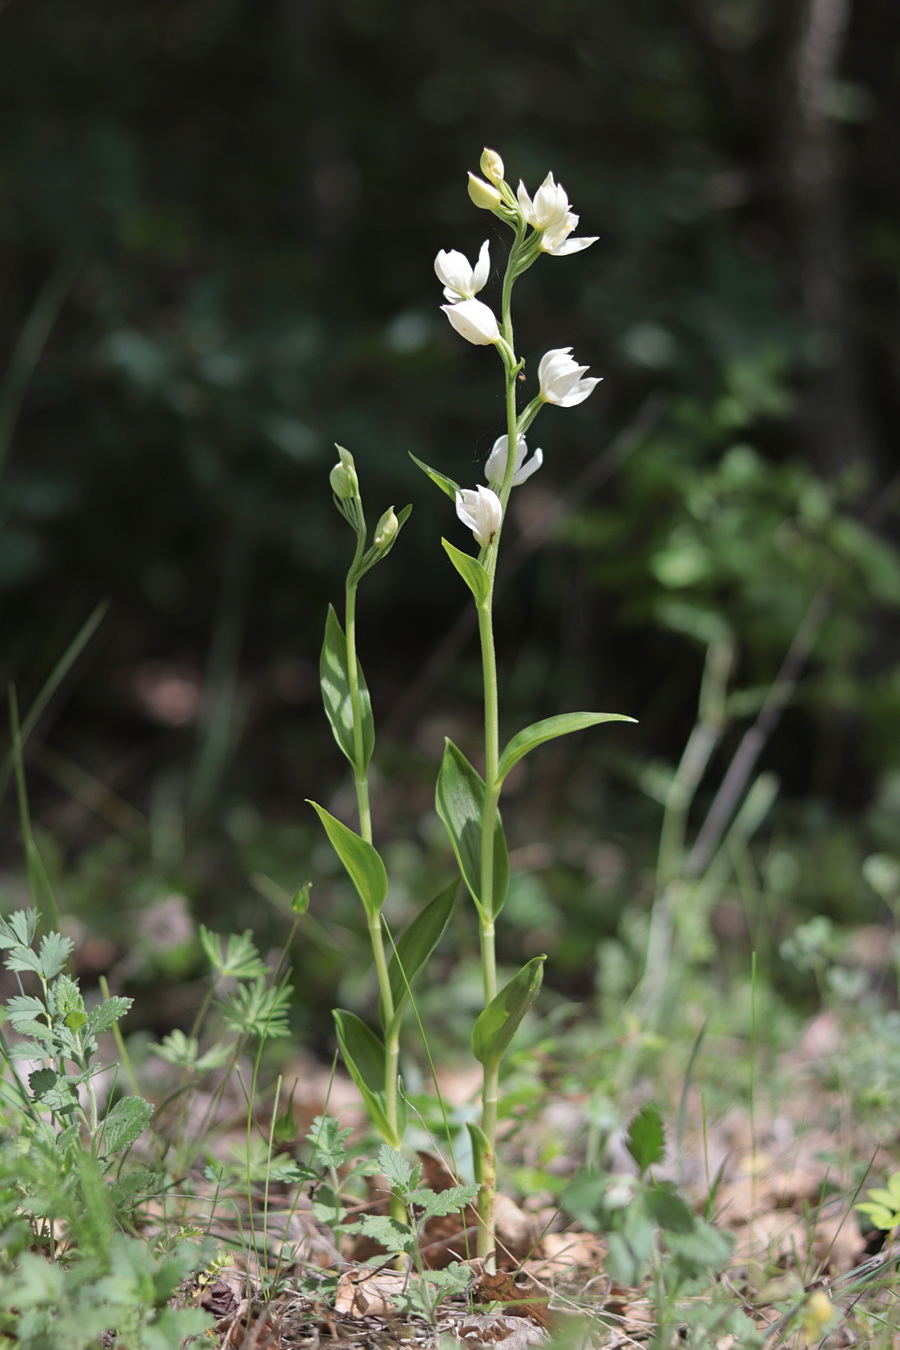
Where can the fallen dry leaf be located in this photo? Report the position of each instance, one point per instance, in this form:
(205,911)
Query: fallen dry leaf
(490,1328)
(369,1293)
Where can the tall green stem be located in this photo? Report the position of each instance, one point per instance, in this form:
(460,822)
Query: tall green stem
(376,927)
(490,1084)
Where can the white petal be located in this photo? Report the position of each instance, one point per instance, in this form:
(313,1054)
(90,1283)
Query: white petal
(482,268)
(525,203)
(550,204)
(578,393)
(529,468)
(474,321)
(495,468)
(455,271)
(571,246)
(480,510)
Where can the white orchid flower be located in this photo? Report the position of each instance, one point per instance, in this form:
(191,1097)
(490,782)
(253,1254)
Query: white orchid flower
(474,321)
(461,281)
(480,509)
(549,214)
(561,379)
(495,468)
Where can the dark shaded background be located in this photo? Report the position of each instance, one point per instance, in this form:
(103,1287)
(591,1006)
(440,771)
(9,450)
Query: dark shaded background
(217,227)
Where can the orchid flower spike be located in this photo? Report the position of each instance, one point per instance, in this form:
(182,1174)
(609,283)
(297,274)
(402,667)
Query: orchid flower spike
(561,381)
(480,509)
(495,468)
(461,281)
(549,214)
(474,321)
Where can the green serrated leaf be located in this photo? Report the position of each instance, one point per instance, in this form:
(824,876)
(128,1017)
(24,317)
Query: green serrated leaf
(548,730)
(363,863)
(393,1236)
(107,1013)
(56,1091)
(414,948)
(178,1049)
(498,1023)
(880,1216)
(23,958)
(335,682)
(399,1172)
(471,571)
(328,1142)
(258,1009)
(18,929)
(66,997)
(646,1139)
(460,804)
(125,1124)
(443,482)
(55,952)
(25,1005)
(450,1201)
(240,959)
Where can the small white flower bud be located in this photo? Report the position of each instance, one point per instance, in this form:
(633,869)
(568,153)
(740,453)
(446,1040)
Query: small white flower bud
(483,195)
(492,165)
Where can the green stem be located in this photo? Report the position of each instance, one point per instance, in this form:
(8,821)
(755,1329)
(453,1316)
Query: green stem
(490,1085)
(376,926)
(359,767)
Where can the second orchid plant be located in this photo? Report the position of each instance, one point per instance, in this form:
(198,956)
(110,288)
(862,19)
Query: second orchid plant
(467,802)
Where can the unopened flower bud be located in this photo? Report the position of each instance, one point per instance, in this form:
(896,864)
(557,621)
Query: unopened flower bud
(385,530)
(483,195)
(343,479)
(491,165)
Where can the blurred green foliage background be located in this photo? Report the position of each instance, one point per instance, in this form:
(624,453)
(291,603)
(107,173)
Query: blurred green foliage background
(217,226)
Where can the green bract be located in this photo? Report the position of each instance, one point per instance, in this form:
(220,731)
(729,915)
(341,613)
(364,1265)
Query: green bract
(460,805)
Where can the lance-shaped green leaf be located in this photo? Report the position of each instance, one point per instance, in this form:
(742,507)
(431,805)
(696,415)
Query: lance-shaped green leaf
(471,571)
(363,863)
(460,805)
(365,1058)
(496,1026)
(335,684)
(414,948)
(547,730)
(444,483)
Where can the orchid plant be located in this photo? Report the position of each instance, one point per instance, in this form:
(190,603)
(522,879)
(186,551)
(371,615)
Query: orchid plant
(467,803)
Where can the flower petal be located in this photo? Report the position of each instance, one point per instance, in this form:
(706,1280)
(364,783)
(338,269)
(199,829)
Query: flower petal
(479,508)
(474,321)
